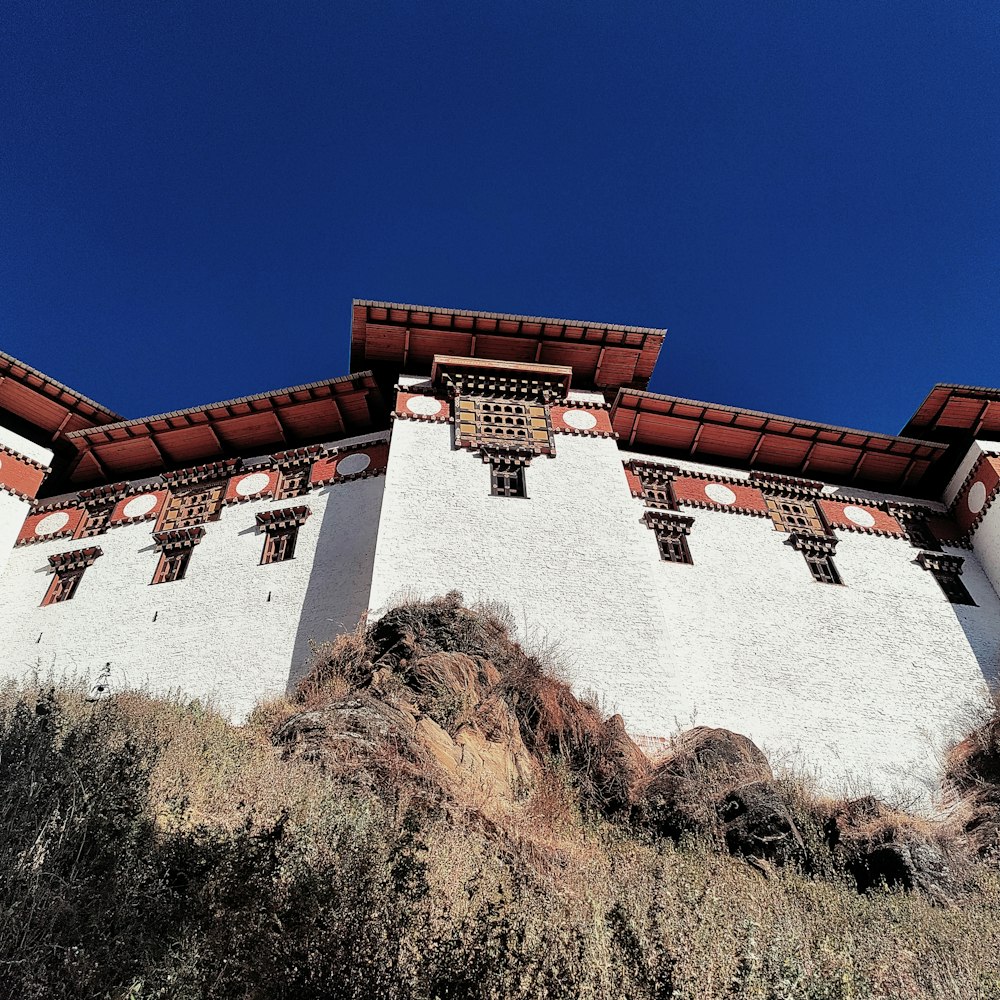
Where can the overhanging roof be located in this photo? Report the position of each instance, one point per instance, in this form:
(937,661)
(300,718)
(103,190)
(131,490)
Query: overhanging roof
(955,410)
(247,426)
(407,337)
(44,403)
(750,439)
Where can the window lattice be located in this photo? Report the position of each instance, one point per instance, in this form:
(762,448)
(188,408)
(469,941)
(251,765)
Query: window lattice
(501,423)
(919,534)
(279,545)
(172,566)
(293,482)
(64,585)
(795,515)
(193,506)
(507,478)
(95,521)
(818,551)
(671,531)
(947,570)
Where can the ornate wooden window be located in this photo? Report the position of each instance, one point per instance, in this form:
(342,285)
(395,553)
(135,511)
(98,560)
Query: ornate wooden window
(68,569)
(507,477)
(818,551)
(95,521)
(947,570)
(482,422)
(671,532)
(293,481)
(193,505)
(795,514)
(176,546)
(281,530)
(657,485)
(917,529)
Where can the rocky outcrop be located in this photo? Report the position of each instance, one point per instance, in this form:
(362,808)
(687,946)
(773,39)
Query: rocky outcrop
(719,784)
(442,701)
(879,846)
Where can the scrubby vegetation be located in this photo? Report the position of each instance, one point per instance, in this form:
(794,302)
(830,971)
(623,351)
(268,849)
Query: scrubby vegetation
(433,814)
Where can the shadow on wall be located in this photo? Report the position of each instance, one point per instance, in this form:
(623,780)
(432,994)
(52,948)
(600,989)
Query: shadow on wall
(979,623)
(340,578)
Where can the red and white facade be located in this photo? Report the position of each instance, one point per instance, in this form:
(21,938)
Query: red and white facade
(831,593)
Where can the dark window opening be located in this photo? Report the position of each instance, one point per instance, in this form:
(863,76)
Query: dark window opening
(507,478)
(673,547)
(279,545)
(919,534)
(172,566)
(63,587)
(293,482)
(952,586)
(95,522)
(823,569)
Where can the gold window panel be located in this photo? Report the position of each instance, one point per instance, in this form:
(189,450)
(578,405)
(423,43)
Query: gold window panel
(192,506)
(507,423)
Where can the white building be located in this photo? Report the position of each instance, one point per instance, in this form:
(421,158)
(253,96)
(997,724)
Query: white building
(828,592)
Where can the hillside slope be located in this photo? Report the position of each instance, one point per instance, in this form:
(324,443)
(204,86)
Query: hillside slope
(433,814)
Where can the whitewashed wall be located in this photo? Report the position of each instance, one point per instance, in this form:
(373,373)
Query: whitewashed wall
(13,510)
(232,630)
(566,560)
(861,684)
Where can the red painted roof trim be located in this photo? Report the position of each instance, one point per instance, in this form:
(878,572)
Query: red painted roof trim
(751,439)
(407,337)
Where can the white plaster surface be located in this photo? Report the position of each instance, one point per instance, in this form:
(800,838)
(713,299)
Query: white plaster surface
(139,506)
(232,630)
(250,485)
(859,516)
(16,442)
(976,499)
(52,523)
(861,684)
(351,465)
(582,420)
(719,493)
(425,406)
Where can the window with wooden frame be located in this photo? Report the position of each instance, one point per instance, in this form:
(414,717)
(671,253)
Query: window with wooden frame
(818,551)
(501,422)
(917,529)
(790,513)
(95,521)
(293,481)
(193,505)
(671,531)
(657,485)
(947,570)
(281,530)
(176,546)
(507,478)
(68,569)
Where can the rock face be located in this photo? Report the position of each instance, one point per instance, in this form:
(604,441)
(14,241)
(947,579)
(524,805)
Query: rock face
(441,703)
(719,784)
(878,846)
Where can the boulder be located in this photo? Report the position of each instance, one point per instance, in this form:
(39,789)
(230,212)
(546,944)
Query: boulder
(719,784)
(881,847)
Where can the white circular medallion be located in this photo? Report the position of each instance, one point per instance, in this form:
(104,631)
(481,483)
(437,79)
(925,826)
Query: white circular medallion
(254,483)
(859,516)
(351,465)
(52,523)
(582,420)
(719,493)
(424,406)
(977,497)
(139,506)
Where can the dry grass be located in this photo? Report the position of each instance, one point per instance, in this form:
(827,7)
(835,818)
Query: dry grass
(175,855)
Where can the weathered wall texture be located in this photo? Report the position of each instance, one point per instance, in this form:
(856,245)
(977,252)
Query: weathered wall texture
(232,630)
(861,683)
(14,509)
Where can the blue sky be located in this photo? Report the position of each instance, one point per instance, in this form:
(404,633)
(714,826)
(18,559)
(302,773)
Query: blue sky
(807,195)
